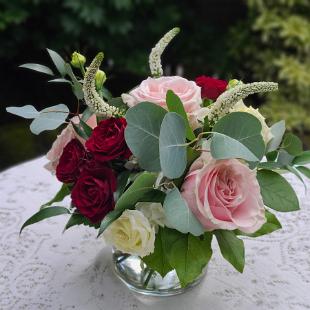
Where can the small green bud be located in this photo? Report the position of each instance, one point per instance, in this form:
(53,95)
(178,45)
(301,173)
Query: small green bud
(100,78)
(233,83)
(78,60)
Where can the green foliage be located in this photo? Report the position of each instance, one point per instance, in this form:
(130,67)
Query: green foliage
(179,216)
(61,194)
(142,133)
(172,147)
(44,214)
(244,141)
(232,248)
(79,219)
(277,192)
(283,54)
(175,104)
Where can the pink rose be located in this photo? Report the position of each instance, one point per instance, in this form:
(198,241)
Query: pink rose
(63,139)
(224,194)
(155,90)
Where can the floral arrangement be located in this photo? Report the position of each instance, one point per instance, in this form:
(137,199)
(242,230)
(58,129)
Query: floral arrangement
(164,168)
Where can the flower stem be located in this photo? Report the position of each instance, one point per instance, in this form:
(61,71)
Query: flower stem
(148,278)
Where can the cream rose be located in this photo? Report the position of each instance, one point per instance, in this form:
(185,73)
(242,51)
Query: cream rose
(241,107)
(131,233)
(154,212)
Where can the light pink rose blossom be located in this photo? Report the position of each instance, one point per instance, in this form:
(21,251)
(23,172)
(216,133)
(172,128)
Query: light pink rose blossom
(224,194)
(63,139)
(155,90)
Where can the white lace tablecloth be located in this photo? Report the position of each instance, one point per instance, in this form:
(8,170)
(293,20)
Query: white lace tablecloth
(46,269)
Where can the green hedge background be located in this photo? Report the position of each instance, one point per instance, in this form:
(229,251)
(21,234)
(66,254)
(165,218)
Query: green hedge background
(248,40)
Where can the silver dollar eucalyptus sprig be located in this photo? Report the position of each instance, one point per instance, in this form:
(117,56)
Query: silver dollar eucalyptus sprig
(229,98)
(158,49)
(92,98)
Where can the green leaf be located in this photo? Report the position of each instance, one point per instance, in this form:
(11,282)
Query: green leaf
(270,226)
(232,248)
(158,260)
(188,255)
(292,144)
(61,194)
(79,131)
(58,62)
(284,158)
(272,156)
(277,130)
(77,87)
(302,159)
(304,170)
(141,190)
(87,129)
(38,68)
(27,111)
(118,103)
(79,219)
(109,219)
(49,118)
(297,174)
(142,133)
(243,141)
(270,165)
(87,113)
(277,193)
(59,81)
(175,104)
(44,214)
(179,216)
(172,148)
(122,181)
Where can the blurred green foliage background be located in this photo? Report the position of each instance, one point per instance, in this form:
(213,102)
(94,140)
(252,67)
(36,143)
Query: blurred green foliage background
(243,39)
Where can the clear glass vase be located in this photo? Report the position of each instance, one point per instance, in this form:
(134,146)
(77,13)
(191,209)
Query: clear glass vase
(133,272)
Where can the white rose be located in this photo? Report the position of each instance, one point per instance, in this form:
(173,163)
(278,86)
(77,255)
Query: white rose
(241,107)
(131,233)
(154,212)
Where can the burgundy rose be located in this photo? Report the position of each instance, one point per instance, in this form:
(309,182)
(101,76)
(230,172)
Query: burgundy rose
(71,162)
(93,192)
(211,88)
(107,141)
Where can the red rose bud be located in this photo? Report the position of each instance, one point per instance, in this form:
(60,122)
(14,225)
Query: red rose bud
(71,162)
(107,141)
(93,192)
(210,88)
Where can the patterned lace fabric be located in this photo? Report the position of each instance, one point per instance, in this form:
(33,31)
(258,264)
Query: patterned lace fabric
(47,269)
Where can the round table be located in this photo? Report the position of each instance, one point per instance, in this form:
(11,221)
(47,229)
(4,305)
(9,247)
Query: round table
(45,268)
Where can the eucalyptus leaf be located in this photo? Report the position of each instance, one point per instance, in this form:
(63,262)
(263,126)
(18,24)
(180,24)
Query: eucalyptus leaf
(172,147)
(44,214)
(277,193)
(292,144)
(142,134)
(27,111)
(232,248)
(59,81)
(38,68)
(118,103)
(49,118)
(277,130)
(297,174)
(302,159)
(179,216)
(58,61)
(243,141)
(175,104)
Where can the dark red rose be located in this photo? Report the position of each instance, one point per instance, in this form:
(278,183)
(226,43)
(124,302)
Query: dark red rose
(107,141)
(71,162)
(210,88)
(93,192)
